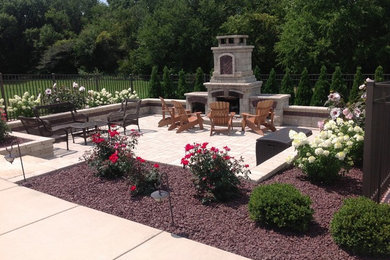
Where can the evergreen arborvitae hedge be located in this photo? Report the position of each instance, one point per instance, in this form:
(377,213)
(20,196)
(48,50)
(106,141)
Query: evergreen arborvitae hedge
(338,85)
(357,81)
(256,72)
(167,85)
(154,84)
(181,85)
(304,91)
(270,86)
(321,89)
(379,74)
(287,86)
(199,79)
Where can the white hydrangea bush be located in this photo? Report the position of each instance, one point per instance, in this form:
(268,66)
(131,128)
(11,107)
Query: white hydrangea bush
(103,97)
(99,98)
(338,146)
(125,94)
(22,106)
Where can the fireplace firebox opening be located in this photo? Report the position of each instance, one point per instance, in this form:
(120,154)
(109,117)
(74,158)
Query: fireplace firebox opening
(198,107)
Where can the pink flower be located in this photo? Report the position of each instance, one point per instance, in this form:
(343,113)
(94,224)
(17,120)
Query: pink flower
(133,188)
(214,156)
(335,97)
(347,113)
(320,125)
(156,165)
(184,161)
(335,112)
(114,157)
(189,147)
(357,112)
(227,157)
(113,133)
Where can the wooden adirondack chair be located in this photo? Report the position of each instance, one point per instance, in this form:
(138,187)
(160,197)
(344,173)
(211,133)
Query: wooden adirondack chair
(220,117)
(264,110)
(165,110)
(186,120)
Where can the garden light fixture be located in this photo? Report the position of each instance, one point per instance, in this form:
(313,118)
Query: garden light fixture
(10,157)
(160,195)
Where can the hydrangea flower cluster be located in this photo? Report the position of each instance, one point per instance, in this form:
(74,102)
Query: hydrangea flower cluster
(338,146)
(22,106)
(103,97)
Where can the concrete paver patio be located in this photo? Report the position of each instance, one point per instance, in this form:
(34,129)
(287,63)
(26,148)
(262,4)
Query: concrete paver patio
(35,225)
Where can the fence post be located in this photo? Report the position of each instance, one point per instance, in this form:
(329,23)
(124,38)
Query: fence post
(53,78)
(97,82)
(3,95)
(131,83)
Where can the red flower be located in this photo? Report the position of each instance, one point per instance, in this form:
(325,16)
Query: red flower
(133,188)
(184,161)
(140,159)
(227,157)
(156,165)
(113,133)
(199,151)
(189,147)
(188,156)
(114,157)
(204,145)
(214,156)
(246,165)
(226,148)
(112,126)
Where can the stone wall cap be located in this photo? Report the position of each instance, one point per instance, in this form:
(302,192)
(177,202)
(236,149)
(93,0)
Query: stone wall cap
(232,36)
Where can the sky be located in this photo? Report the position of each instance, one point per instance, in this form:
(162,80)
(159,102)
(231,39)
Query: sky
(103,1)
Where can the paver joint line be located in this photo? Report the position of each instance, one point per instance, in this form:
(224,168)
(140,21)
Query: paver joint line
(39,220)
(140,244)
(8,188)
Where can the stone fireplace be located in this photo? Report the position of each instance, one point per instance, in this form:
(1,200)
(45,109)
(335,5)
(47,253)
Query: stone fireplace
(233,80)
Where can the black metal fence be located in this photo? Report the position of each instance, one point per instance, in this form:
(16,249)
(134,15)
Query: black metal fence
(18,84)
(376,163)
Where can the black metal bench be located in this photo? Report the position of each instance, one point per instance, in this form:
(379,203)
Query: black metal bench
(275,142)
(56,127)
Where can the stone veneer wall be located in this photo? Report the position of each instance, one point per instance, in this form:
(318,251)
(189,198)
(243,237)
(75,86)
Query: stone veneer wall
(304,115)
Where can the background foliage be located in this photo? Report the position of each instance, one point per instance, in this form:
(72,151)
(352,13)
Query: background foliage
(133,36)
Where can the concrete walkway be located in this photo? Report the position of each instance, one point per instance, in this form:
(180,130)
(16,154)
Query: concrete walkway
(34,225)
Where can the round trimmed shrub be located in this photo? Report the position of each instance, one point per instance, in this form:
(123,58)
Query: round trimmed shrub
(362,227)
(280,205)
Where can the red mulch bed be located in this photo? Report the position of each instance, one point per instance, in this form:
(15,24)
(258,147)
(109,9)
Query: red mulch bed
(226,226)
(8,140)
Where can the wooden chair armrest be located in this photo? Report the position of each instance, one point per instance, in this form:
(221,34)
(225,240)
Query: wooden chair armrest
(248,115)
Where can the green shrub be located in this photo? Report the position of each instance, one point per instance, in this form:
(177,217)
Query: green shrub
(304,91)
(363,227)
(60,94)
(379,74)
(199,79)
(287,86)
(182,86)
(167,85)
(338,84)
(4,129)
(215,173)
(256,72)
(357,82)
(280,205)
(154,84)
(321,89)
(270,86)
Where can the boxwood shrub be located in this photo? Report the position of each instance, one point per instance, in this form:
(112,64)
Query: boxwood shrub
(280,205)
(362,227)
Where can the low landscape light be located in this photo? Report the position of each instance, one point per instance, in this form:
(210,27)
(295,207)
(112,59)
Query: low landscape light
(10,157)
(160,194)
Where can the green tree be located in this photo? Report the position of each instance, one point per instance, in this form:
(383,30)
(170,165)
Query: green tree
(304,91)
(256,72)
(155,90)
(199,79)
(379,74)
(321,89)
(357,81)
(338,84)
(167,85)
(287,86)
(271,86)
(182,86)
